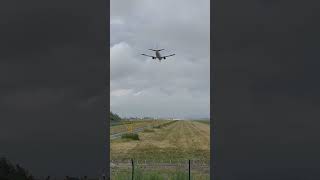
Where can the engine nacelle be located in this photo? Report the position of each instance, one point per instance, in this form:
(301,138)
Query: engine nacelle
(164,57)
(153,57)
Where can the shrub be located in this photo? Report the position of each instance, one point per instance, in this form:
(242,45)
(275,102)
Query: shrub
(132,136)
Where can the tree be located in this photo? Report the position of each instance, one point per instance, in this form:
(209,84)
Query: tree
(11,172)
(114,117)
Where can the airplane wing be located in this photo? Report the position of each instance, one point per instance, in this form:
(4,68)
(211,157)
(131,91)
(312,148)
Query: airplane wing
(169,55)
(148,55)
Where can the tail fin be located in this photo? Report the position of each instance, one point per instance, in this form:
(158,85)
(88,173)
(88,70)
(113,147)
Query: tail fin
(156,49)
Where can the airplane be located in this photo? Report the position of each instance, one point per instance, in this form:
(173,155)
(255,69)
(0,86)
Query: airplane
(158,55)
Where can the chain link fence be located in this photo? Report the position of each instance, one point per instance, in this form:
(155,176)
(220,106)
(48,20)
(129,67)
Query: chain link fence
(165,169)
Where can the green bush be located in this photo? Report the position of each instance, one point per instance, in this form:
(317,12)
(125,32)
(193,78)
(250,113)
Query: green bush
(132,136)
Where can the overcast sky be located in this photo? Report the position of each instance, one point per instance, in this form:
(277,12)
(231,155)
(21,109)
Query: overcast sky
(179,85)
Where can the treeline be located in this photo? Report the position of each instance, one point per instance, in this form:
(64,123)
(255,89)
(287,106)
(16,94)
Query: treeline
(114,117)
(8,171)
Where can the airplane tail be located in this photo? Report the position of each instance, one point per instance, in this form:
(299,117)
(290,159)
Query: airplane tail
(156,49)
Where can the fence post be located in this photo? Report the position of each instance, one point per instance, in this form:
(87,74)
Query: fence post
(132,169)
(189,171)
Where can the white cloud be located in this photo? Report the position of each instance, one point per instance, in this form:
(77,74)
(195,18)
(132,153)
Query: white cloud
(116,21)
(121,92)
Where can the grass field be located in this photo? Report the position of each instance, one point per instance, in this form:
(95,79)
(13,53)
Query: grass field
(178,141)
(158,175)
(172,141)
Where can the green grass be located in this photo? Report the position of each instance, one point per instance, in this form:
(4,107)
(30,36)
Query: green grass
(132,136)
(148,130)
(167,155)
(158,175)
(203,121)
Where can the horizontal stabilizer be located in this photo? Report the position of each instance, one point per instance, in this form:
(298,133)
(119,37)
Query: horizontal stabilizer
(156,49)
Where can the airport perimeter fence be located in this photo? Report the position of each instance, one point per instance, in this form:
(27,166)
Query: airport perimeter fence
(188,167)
